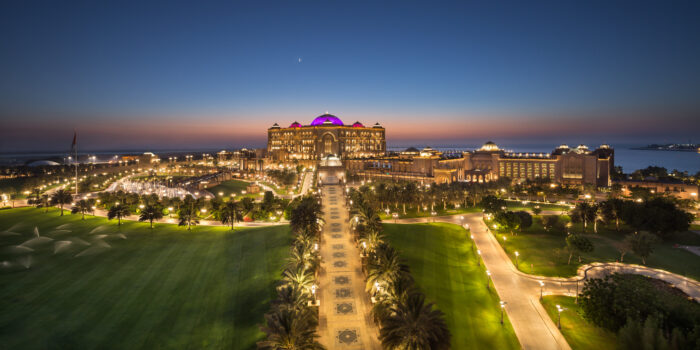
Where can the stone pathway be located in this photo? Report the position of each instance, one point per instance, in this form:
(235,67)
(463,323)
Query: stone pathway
(345,321)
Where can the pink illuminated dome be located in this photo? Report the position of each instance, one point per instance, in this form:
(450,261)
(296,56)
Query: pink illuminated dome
(327,119)
(295,125)
(358,125)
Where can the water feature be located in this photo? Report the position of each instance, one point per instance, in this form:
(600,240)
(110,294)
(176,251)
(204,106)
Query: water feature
(36,241)
(61,246)
(25,261)
(99,229)
(59,232)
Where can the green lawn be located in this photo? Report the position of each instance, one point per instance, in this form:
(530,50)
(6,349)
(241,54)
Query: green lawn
(518,205)
(232,186)
(414,213)
(169,288)
(579,333)
(542,252)
(445,269)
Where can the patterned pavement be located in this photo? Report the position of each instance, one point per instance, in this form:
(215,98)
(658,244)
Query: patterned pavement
(345,321)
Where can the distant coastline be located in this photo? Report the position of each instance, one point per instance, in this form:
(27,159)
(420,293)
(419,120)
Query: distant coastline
(670,147)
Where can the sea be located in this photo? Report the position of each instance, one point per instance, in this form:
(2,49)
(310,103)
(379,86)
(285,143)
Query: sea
(630,159)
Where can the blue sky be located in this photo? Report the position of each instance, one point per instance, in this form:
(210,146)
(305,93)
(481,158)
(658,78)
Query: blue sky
(218,74)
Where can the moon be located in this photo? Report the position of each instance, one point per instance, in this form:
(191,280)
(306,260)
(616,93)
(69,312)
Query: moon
(299,59)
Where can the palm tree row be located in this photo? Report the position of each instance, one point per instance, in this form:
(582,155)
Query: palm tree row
(405,319)
(293,317)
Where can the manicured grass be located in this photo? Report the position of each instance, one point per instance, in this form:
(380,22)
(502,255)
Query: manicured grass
(168,288)
(542,253)
(579,333)
(414,213)
(445,269)
(232,186)
(518,205)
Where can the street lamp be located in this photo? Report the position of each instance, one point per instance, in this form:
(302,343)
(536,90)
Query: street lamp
(559,310)
(516,259)
(503,306)
(541,288)
(170,212)
(478,258)
(488,278)
(395,216)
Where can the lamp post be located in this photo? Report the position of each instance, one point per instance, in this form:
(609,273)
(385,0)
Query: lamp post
(473,244)
(478,258)
(488,279)
(559,310)
(503,306)
(516,259)
(541,289)
(433,214)
(395,216)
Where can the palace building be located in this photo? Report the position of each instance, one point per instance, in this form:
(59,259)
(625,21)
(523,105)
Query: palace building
(361,152)
(564,165)
(327,135)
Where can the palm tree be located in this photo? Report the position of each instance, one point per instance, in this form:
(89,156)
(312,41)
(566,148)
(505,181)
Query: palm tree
(397,292)
(230,212)
(372,240)
(598,216)
(300,277)
(385,268)
(118,211)
(188,216)
(415,325)
(366,213)
(62,197)
(82,207)
(304,255)
(150,213)
(36,193)
(291,297)
(305,217)
(289,329)
(45,201)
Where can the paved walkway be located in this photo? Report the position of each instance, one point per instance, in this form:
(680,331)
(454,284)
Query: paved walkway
(345,321)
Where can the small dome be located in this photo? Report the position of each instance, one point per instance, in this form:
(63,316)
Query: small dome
(376,125)
(582,146)
(275,126)
(358,125)
(327,119)
(489,146)
(295,125)
(43,163)
(563,146)
(604,146)
(411,150)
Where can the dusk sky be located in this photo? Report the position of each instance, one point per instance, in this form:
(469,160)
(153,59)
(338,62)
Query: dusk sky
(167,75)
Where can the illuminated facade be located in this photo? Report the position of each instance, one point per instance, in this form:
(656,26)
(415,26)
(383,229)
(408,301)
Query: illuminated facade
(326,135)
(574,166)
(577,166)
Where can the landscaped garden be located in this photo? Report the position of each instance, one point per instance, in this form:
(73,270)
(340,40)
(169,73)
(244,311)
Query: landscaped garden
(71,283)
(445,269)
(228,188)
(543,252)
(580,333)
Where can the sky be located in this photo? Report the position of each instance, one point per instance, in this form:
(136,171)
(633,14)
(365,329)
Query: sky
(188,75)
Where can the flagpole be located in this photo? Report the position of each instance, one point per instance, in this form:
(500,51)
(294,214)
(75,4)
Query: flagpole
(76,163)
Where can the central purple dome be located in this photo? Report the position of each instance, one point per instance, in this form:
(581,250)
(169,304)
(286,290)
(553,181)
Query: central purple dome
(327,119)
